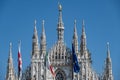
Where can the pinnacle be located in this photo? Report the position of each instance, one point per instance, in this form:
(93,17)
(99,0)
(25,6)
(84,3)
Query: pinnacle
(59,7)
(43,30)
(10,52)
(108,51)
(75,30)
(35,30)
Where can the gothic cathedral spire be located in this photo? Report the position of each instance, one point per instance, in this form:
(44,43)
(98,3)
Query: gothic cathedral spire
(35,47)
(85,56)
(60,28)
(43,41)
(42,53)
(83,39)
(75,38)
(10,69)
(108,69)
(35,55)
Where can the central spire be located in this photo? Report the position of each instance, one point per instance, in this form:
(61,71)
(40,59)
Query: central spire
(60,28)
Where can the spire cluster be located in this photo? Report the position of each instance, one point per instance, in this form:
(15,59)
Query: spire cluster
(38,52)
(59,57)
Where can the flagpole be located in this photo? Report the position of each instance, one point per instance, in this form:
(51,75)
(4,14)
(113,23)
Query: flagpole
(53,77)
(19,61)
(78,76)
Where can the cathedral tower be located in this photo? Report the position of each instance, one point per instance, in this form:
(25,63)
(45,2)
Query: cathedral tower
(59,55)
(35,55)
(10,69)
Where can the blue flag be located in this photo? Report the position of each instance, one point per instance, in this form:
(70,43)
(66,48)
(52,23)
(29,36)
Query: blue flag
(76,67)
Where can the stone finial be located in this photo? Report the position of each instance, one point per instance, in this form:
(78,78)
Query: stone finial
(59,7)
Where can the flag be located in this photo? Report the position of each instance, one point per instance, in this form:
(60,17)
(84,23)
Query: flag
(76,67)
(48,65)
(19,63)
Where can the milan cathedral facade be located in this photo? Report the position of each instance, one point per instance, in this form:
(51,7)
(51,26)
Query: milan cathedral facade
(60,58)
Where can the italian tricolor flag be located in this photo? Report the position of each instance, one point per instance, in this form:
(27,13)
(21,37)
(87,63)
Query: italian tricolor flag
(48,65)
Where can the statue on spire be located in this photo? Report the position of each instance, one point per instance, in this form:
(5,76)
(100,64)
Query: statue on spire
(59,7)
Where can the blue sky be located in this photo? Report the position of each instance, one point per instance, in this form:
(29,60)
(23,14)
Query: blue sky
(102,25)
